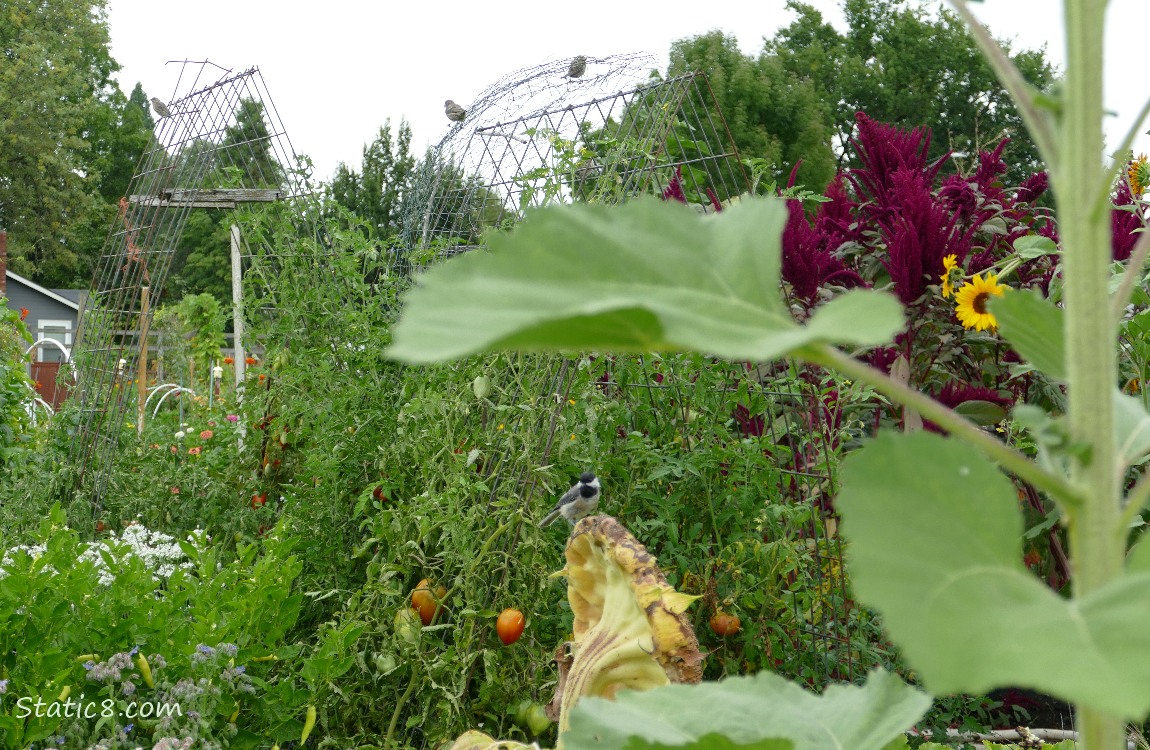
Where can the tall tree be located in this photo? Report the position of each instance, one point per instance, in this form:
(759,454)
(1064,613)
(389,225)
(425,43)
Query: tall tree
(55,90)
(773,114)
(373,193)
(910,67)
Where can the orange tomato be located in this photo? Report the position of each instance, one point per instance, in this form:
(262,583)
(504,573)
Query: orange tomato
(509,626)
(259,499)
(427,600)
(724,624)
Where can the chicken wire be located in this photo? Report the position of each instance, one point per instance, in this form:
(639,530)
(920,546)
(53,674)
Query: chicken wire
(197,146)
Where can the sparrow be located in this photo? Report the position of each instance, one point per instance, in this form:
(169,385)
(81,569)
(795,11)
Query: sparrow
(454,112)
(577,68)
(577,502)
(160,108)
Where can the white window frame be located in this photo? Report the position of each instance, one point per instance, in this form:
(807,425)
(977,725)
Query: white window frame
(41,332)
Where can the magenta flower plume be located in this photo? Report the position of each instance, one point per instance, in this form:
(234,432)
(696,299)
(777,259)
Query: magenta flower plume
(1125,220)
(807,263)
(674,190)
(1033,188)
(884,150)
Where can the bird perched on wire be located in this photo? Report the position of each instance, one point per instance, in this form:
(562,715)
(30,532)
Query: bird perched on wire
(454,112)
(577,502)
(161,108)
(577,68)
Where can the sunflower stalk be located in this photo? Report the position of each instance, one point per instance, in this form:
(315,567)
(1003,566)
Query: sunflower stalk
(1096,532)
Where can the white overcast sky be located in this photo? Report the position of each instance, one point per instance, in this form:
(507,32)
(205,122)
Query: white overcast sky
(336,70)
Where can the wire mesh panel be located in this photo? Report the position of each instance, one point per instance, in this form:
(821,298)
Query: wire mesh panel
(213,144)
(538,137)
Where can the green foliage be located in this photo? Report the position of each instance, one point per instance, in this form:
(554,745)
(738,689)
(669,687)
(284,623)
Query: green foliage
(772,112)
(199,321)
(373,193)
(81,614)
(748,711)
(15,388)
(902,64)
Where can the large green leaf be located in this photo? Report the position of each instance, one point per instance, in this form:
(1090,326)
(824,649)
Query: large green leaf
(1033,326)
(745,712)
(934,535)
(643,276)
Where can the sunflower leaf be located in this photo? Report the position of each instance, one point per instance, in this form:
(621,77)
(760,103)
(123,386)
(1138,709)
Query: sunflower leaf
(934,535)
(760,711)
(1033,326)
(644,276)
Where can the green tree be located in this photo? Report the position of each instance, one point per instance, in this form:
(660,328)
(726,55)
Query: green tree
(773,113)
(904,65)
(374,193)
(55,91)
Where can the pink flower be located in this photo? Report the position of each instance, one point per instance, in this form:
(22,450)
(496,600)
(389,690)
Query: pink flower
(173,449)
(206,435)
(195,451)
(233,418)
(175,490)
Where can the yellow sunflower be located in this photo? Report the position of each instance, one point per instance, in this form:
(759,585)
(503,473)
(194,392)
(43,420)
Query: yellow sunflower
(971,302)
(949,273)
(1139,174)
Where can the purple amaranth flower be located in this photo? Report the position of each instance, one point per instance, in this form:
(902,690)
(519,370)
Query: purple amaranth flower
(674,190)
(955,393)
(807,264)
(884,150)
(835,219)
(1033,188)
(750,426)
(990,166)
(1125,221)
(919,235)
(957,194)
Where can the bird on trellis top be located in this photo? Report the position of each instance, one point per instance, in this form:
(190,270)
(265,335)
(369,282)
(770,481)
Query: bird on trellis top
(160,108)
(454,112)
(577,68)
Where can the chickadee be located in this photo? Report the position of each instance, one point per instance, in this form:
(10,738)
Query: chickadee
(578,67)
(160,108)
(577,502)
(454,112)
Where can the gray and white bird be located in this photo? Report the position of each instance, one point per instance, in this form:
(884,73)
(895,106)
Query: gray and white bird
(160,108)
(454,112)
(577,68)
(579,501)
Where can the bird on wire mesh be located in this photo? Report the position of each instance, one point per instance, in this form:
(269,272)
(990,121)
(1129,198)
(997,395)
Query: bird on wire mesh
(577,68)
(454,112)
(160,108)
(578,502)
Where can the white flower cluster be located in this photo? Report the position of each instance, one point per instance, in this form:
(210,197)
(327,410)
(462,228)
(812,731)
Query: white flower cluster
(159,552)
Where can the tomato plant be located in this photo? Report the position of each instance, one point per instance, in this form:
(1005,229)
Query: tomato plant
(509,626)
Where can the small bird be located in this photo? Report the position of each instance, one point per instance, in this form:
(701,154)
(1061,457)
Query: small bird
(161,108)
(454,112)
(577,68)
(577,502)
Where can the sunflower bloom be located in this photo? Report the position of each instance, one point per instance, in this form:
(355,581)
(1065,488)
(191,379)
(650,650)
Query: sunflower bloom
(971,302)
(949,273)
(1139,174)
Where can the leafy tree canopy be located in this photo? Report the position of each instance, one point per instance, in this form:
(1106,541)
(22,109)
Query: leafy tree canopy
(910,67)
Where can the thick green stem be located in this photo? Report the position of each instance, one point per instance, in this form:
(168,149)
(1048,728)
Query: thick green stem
(1095,532)
(956,424)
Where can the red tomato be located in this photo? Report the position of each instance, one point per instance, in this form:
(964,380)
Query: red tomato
(724,624)
(509,626)
(259,499)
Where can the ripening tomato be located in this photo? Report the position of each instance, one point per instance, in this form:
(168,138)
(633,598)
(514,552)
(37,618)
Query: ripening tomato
(509,626)
(258,500)
(427,600)
(377,493)
(724,624)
